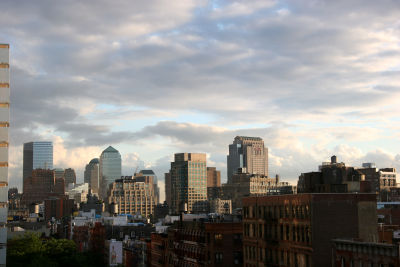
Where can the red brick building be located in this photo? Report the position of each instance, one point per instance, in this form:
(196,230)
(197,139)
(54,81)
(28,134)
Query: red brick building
(349,253)
(296,230)
(42,185)
(58,207)
(192,243)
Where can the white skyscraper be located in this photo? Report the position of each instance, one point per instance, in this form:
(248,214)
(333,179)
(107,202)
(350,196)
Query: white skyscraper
(4,124)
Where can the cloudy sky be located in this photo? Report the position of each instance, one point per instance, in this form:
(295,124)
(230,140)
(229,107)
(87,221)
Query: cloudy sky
(152,78)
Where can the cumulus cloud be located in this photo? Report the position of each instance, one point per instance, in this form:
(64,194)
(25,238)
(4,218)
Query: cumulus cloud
(310,77)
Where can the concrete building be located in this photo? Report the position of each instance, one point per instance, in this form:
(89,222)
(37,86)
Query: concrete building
(247,152)
(69,176)
(244,184)
(213,177)
(333,177)
(92,175)
(37,155)
(110,169)
(78,192)
(297,230)
(151,173)
(134,195)
(189,183)
(4,125)
(41,185)
(382,180)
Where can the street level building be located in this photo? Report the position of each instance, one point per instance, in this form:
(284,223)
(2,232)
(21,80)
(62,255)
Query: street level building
(247,152)
(297,230)
(4,125)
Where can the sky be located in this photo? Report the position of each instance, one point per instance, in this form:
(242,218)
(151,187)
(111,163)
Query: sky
(153,78)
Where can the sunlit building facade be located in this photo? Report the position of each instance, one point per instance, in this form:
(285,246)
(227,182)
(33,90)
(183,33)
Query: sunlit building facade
(189,183)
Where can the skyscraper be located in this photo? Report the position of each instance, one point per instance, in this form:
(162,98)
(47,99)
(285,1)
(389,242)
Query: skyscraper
(69,176)
(4,124)
(188,182)
(37,155)
(247,152)
(92,175)
(110,168)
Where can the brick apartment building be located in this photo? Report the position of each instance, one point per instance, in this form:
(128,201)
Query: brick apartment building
(296,230)
(192,243)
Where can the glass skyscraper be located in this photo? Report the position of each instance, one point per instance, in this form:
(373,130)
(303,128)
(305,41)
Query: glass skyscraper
(37,155)
(4,124)
(110,168)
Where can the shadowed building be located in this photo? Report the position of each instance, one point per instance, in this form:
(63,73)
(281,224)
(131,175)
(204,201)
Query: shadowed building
(92,175)
(37,155)
(42,185)
(297,230)
(69,176)
(250,153)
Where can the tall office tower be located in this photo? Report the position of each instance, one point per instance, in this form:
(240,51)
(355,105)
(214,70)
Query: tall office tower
(110,168)
(167,177)
(213,183)
(189,183)
(92,175)
(69,176)
(4,124)
(247,152)
(37,155)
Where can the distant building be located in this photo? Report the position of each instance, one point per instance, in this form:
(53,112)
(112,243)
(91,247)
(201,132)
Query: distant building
(168,197)
(92,175)
(151,173)
(78,192)
(247,152)
(41,185)
(4,125)
(37,155)
(58,207)
(134,195)
(244,184)
(69,176)
(110,168)
(213,177)
(333,177)
(221,206)
(189,183)
(296,230)
(382,180)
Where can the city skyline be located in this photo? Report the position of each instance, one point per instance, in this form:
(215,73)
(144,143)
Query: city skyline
(311,78)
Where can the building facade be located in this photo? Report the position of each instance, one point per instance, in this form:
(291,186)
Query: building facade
(69,176)
(247,152)
(134,195)
(351,253)
(168,198)
(37,155)
(297,230)
(110,168)
(189,183)
(92,175)
(4,125)
(41,185)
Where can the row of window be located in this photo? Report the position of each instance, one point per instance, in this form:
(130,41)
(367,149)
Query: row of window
(295,233)
(277,212)
(275,256)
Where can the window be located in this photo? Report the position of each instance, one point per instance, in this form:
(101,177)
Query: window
(218,257)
